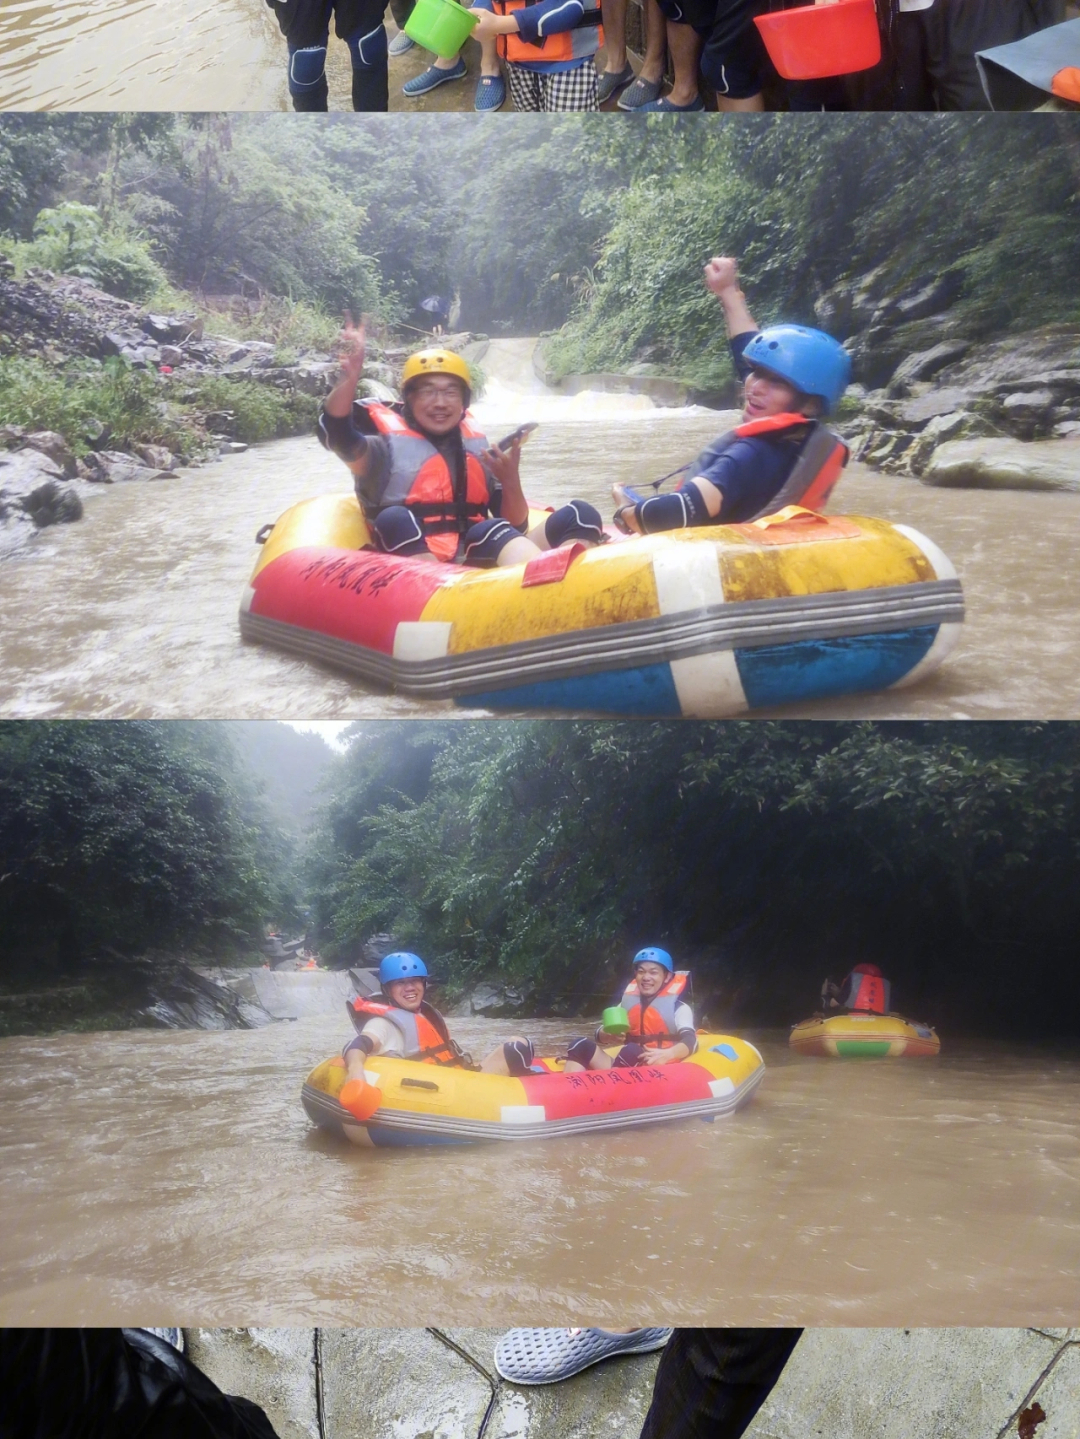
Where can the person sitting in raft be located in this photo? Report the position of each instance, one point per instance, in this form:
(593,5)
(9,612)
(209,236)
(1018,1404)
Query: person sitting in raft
(864,989)
(428,482)
(402,1025)
(781,454)
(661,1024)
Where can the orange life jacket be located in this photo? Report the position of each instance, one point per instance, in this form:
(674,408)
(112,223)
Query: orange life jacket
(867,991)
(576,44)
(420,478)
(822,456)
(653,1023)
(424,1036)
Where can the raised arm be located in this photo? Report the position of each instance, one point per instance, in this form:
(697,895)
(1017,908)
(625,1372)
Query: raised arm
(722,278)
(336,421)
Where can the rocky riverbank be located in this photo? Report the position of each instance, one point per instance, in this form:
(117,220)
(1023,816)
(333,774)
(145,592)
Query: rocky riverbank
(116,992)
(936,401)
(107,391)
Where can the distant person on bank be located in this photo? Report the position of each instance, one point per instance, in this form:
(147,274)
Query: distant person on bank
(429,483)
(792,376)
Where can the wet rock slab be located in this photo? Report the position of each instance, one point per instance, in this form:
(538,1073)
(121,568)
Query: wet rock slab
(994,463)
(840,1383)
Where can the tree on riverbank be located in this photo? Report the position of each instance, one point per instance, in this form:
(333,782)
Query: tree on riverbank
(124,837)
(768,854)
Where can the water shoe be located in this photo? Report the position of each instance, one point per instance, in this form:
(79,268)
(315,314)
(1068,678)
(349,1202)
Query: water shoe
(545,1356)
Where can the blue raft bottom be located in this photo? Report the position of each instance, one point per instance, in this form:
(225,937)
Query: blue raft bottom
(770,675)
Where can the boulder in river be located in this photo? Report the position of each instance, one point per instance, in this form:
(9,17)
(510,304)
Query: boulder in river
(496,1001)
(1006,464)
(111,467)
(49,442)
(53,504)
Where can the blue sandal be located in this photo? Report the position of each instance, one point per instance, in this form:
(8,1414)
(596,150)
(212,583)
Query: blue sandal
(490,93)
(432,78)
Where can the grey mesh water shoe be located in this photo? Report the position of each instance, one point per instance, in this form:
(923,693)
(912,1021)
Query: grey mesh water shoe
(544,1356)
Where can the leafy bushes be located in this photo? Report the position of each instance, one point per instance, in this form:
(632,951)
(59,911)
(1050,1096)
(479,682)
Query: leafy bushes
(75,240)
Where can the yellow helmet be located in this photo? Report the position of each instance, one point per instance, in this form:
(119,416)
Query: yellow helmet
(437,362)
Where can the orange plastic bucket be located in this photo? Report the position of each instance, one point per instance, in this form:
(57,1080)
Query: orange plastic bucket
(816,41)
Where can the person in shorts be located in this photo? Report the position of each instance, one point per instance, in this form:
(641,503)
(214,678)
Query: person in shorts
(548,48)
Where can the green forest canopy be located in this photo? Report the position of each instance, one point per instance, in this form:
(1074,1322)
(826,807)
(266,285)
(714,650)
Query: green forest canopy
(561,219)
(544,853)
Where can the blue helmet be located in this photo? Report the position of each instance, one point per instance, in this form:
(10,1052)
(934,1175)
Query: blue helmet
(401,965)
(812,361)
(652,955)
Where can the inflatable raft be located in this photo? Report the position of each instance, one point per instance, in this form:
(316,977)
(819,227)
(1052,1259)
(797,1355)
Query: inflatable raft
(864,1036)
(434,1104)
(702,623)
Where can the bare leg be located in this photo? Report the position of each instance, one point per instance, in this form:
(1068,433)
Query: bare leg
(489,57)
(752,104)
(684,43)
(652,64)
(614,13)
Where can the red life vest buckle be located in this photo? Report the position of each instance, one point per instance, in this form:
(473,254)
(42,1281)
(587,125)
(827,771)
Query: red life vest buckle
(551,567)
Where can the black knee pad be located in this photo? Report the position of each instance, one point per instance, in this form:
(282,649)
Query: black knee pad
(519,1055)
(581,1051)
(576,521)
(370,81)
(307,77)
(486,540)
(629,1057)
(397,531)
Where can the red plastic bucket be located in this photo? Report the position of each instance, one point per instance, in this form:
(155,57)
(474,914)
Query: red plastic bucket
(816,41)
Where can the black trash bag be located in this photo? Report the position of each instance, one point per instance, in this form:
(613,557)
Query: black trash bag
(113,1384)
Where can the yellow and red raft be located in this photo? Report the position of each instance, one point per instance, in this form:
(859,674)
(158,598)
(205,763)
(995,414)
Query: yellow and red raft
(700,623)
(435,1104)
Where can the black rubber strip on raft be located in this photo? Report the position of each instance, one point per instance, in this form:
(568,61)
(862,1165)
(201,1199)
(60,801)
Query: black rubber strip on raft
(742,624)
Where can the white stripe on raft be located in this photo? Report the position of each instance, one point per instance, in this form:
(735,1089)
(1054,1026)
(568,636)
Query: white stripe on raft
(709,686)
(948,635)
(687,577)
(422,639)
(524,1114)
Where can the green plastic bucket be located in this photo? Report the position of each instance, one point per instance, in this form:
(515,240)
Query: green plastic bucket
(440,25)
(615,1020)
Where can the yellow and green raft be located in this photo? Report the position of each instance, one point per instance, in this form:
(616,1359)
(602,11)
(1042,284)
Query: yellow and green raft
(437,1104)
(864,1036)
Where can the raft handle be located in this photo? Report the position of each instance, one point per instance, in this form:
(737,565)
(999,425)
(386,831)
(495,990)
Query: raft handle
(418,1084)
(265,533)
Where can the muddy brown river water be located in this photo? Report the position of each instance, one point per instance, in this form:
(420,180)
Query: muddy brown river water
(160,1176)
(133,611)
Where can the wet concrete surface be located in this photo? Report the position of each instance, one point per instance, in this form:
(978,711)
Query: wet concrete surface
(840,1383)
